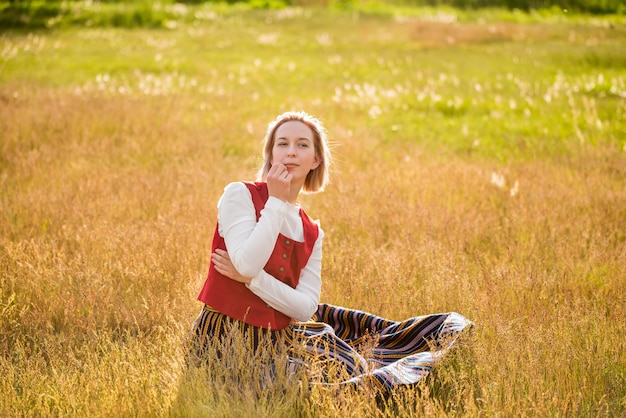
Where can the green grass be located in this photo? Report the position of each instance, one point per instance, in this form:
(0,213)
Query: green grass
(480,168)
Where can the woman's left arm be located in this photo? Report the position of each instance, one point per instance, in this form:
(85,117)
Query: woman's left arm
(300,302)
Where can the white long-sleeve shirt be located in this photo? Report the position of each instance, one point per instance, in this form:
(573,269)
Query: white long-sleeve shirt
(250,244)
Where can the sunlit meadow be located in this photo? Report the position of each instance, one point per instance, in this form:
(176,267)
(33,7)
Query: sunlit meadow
(480,167)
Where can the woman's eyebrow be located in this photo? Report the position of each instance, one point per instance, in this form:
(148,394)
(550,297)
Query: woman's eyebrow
(299,139)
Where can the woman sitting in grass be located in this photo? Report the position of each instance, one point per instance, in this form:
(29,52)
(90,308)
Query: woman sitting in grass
(264,279)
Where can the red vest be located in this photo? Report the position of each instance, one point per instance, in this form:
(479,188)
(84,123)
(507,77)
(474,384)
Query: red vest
(287,260)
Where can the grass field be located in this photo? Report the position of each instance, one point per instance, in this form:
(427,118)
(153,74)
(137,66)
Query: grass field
(480,167)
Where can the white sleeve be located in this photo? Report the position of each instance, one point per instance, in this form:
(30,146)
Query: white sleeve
(299,303)
(246,239)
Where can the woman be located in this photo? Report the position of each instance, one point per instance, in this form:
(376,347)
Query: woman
(264,277)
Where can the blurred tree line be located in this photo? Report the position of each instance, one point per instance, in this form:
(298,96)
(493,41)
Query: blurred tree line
(147,13)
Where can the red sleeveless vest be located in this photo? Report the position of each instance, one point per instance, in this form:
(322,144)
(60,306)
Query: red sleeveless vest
(287,260)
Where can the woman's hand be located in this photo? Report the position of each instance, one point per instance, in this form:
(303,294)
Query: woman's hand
(279,182)
(224,266)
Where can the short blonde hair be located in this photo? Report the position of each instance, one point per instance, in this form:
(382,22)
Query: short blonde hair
(318,178)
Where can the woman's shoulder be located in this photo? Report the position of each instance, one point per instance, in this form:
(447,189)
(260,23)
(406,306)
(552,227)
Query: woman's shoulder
(239,186)
(315,222)
(235,186)
(242,187)
(234,192)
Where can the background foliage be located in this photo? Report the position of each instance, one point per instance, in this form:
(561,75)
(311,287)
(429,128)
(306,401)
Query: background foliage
(144,13)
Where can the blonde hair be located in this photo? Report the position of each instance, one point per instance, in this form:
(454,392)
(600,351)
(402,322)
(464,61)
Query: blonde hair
(318,178)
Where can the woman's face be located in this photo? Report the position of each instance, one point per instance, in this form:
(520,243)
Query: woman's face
(294,147)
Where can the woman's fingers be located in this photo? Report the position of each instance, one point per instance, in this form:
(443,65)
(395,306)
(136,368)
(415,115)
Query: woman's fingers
(279,181)
(279,171)
(224,266)
(220,259)
(222,253)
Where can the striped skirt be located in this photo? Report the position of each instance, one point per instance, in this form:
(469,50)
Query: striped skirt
(342,346)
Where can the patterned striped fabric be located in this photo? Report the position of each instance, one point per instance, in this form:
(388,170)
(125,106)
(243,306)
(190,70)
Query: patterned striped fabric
(341,346)
(378,351)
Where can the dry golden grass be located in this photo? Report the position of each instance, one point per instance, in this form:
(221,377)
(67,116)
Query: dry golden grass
(104,249)
(107,208)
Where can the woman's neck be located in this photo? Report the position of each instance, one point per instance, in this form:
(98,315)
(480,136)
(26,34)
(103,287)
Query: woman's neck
(293,198)
(294,193)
